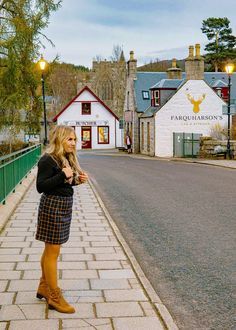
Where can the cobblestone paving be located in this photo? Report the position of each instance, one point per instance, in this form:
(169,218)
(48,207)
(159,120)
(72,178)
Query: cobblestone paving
(94,274)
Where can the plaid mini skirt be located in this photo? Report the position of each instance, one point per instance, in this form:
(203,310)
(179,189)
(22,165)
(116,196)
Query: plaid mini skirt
(54,219)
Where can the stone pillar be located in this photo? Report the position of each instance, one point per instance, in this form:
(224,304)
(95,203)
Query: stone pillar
(131,115)
(132,66)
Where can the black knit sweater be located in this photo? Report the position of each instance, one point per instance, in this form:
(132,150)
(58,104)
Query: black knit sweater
(51,178)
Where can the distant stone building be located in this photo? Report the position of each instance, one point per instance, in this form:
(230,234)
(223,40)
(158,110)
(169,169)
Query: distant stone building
(107,80)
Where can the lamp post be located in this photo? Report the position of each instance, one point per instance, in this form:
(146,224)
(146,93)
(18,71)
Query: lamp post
(42,65)
(229,69)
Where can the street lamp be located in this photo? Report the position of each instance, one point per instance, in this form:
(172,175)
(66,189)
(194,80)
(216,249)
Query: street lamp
(43,65)
(229,68)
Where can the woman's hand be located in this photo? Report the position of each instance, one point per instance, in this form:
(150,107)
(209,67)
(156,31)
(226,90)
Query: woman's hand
(68,172)
(83,177)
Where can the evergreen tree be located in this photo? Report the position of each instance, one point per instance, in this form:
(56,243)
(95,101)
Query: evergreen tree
(222,45)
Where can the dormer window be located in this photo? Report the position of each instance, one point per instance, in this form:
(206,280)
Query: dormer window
(156,96)
(219,92)
(145,95)
(86,108)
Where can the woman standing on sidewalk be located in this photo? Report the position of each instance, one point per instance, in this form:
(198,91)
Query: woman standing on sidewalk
(128,143)
(58,171)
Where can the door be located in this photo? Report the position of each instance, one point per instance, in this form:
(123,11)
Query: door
(86,137)
(186,144)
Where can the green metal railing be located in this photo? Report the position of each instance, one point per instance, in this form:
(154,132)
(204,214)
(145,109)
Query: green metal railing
(16,166)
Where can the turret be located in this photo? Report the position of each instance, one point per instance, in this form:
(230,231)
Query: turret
(132,66)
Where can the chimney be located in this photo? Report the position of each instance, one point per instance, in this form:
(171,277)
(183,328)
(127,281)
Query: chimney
(194,65)
(174,72)
(132,66)
(197,51)
(190,53)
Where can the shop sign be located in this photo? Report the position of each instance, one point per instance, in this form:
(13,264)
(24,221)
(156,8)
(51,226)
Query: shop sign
(87,123)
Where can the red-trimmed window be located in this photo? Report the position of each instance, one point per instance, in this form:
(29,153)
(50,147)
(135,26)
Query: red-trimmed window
(86,108)
(103,134)
(156,95)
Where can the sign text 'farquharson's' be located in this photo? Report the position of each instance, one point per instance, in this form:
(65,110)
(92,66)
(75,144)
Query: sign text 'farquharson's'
(201,117)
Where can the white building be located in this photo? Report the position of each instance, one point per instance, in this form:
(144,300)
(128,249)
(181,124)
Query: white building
(165,113)
(96,126)
(195,108)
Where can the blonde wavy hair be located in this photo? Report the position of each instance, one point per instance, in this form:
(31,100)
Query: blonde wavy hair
(55,148)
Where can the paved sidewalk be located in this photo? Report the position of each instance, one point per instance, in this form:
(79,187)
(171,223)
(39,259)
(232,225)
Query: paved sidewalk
(217,162)
(97,272)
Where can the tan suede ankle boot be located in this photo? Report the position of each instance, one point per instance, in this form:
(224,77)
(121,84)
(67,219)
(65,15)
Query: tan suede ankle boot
(43,290)
(57,302)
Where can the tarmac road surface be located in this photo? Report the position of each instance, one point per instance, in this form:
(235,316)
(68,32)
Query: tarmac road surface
(179,220)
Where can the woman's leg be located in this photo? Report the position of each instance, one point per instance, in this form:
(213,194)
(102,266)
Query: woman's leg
(43,290)
(49,264)
(55,300)
(42,264)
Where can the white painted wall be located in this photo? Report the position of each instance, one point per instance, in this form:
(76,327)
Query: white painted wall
(166,122)
(98,113)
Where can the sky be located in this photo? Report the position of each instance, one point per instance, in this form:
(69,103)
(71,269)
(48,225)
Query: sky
(82,30)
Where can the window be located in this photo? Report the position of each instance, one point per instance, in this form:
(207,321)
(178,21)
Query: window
(142,135)
(145,95)
(121,123)
(105,89)
(156,95)
(218,91)
(103,134)
(127,101)
(86,108)
(148,136)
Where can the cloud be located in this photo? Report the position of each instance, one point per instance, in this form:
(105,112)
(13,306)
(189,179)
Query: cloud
(82,29)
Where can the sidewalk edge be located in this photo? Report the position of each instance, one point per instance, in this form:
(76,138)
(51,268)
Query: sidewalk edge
(202,162)
(12,201)
(160,308)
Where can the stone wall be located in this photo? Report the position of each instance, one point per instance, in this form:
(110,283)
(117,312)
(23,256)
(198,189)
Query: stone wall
(147,147)
(208,145)
(136,133)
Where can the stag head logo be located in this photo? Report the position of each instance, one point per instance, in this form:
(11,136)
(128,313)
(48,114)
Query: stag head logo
(196,104)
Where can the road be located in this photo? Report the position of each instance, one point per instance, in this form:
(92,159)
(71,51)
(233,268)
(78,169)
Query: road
(179,220)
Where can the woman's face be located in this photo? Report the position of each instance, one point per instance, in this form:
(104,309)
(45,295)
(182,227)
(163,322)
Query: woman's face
(69,143)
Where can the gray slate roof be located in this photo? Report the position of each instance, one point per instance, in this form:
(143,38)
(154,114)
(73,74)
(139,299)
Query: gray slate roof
(168,83)
(218,83)
(145,80)
(149,112)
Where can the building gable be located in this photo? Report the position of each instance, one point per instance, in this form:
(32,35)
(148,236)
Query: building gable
(194,108)
(194,93)
(86,95)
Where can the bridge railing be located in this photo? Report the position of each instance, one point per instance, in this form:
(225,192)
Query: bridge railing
(15,167)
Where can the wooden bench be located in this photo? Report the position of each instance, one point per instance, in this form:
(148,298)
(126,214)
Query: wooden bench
(220,155)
